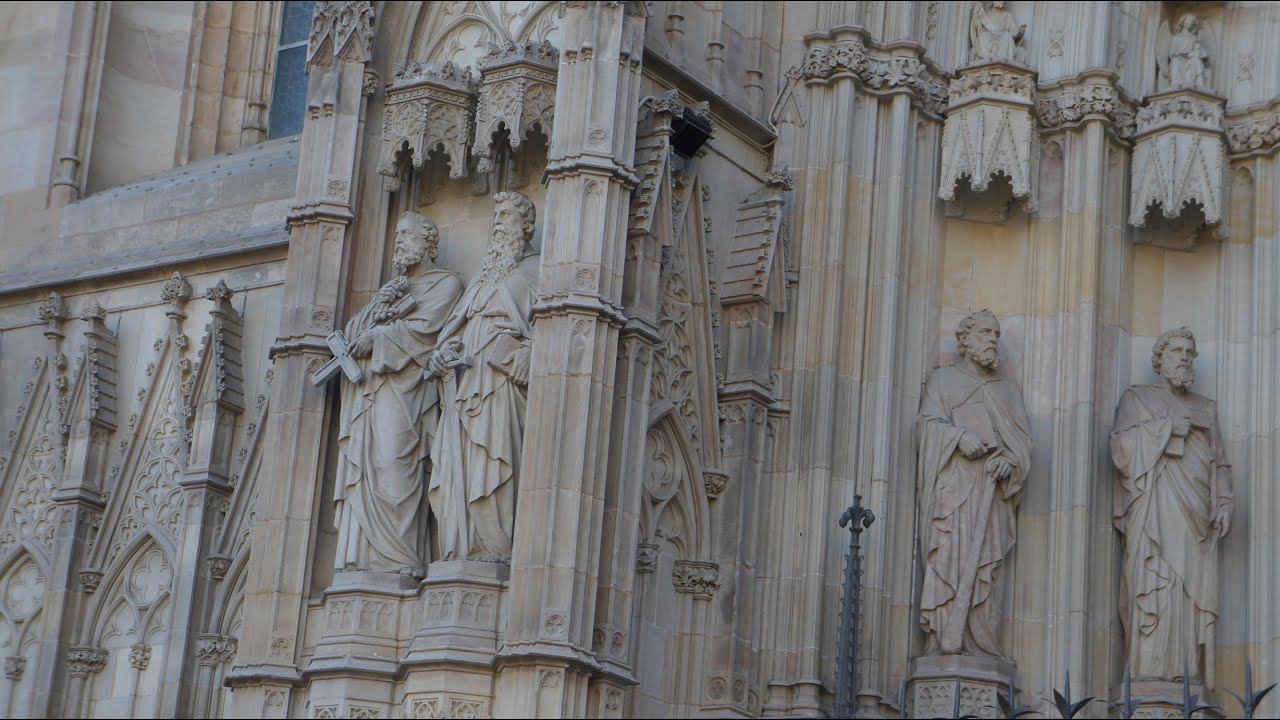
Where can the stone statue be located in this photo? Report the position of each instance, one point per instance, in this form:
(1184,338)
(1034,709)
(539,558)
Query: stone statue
(975,451)
(388,418)
(483,364)
(1183,58)
(993,33)
(1173,503)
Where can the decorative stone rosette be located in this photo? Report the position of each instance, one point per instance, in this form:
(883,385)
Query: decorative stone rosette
(517,90)
(1179,155)
(990,129)
(429,107)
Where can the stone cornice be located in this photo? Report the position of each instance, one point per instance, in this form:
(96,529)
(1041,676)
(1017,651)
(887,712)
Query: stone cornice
(882,69)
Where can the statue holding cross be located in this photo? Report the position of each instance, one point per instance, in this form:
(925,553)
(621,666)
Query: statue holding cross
(390,407)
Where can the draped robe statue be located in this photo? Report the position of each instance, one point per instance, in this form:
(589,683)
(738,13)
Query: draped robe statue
(483,365)
(387,420)
(993,33)
(974,453)
(1173,504)
(1188,59)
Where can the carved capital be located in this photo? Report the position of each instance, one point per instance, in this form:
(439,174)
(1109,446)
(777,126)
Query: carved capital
(879,70)
(714,482)
(14,667)
(1093,97)
(214,650)
(646,557)
(85,660)
(1257,133)
(90,580)
(139,656)
(218,566)
(701,579)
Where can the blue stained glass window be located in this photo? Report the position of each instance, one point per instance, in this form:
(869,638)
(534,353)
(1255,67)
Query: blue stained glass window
(289,89)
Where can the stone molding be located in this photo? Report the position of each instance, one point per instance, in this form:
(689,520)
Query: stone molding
(1179,155)
(849,52)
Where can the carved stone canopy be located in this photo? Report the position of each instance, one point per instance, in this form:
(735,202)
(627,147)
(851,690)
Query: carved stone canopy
(429,106)
(518,91)
(1179,156)
(990,130)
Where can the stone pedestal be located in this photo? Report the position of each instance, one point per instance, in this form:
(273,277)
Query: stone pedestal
(357,657)
(448,671)
(1161,699)
(932,682)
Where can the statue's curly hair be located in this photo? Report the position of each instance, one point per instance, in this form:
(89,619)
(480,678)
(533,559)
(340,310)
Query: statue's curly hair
(1158,350)
(528,214)
(427,230)
(962,330)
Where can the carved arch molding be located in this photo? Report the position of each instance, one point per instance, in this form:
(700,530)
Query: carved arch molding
(468,72)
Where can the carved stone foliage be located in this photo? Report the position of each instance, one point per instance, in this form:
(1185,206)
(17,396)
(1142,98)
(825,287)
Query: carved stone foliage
(1178,156)
(84,660)
(429,107)
(989,130)
(215,649)
(878,70)
(1257,134)
(698,578)
(1094,96)
(518,92)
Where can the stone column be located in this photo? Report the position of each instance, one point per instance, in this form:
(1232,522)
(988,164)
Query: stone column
(280,560)
(547,658)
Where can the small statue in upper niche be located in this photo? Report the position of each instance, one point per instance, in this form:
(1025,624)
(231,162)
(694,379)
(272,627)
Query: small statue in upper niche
(993,33)
(1183,57)
(483,362)
(390,410)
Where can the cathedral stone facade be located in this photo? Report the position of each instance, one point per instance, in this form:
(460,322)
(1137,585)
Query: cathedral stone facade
(518,359)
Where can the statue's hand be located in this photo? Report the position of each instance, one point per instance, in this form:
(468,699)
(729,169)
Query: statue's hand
(1222,519)
(518,366)
(971,445)
(362,347)
(999,468)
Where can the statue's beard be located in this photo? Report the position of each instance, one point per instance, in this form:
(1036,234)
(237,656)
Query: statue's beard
(985,357)
(502,257)
(402,261)
(1181,378)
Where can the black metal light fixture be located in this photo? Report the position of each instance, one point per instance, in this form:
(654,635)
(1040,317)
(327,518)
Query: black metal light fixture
(689,132)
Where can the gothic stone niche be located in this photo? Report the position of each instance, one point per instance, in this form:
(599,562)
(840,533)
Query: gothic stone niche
(990,131)
(518,91)
(1178,160)
(429,106)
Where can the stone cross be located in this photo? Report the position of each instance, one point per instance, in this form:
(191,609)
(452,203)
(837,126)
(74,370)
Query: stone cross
(342,360)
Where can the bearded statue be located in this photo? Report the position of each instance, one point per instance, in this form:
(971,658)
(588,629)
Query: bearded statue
(974,453)
(1173,504)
